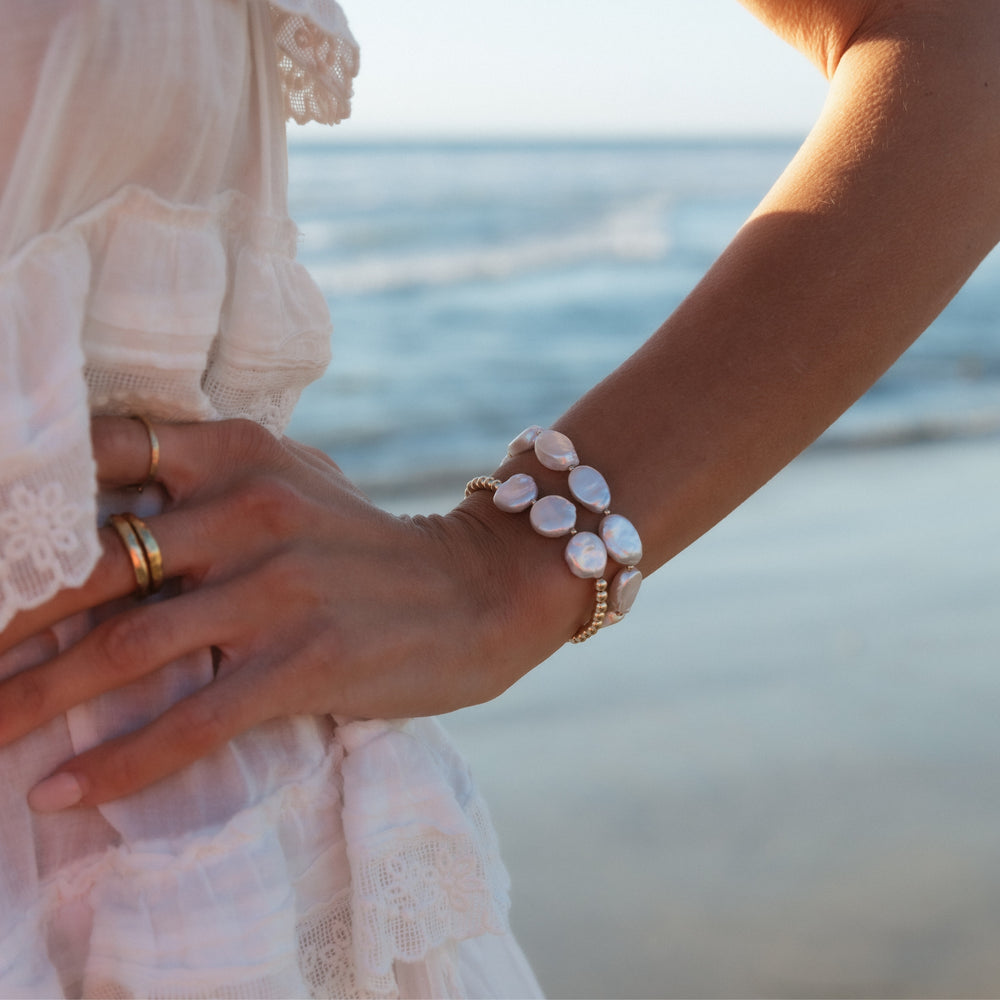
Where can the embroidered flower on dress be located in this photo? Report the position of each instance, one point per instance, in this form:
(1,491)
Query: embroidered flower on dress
(38,524)
(276,412)
(431,880)
(459,877)
(395,882)
(308,36)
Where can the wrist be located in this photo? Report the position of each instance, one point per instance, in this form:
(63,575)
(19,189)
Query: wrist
(534,604)
(608,548)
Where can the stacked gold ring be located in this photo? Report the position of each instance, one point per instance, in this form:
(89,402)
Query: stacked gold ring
(143,551)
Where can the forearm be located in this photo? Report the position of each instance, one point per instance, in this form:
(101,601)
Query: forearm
(891,203)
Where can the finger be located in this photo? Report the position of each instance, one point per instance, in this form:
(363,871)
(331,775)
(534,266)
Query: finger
(322,463)
(123,450)
(196,458)
(111,578)
(184,549)
(120,650)
(199,542)
(315,457)
(186,732)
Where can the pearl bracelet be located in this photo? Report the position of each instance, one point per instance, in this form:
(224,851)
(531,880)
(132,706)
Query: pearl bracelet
(554,516)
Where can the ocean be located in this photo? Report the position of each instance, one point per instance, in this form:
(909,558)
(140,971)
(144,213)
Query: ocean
(478,287)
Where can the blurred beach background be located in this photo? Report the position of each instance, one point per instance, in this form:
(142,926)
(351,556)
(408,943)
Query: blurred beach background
(777,778)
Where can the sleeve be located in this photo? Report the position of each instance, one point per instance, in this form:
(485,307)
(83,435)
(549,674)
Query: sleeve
(317,59)
(48,533)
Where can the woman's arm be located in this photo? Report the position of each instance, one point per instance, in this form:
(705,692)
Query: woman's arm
(320,602)
(891,203)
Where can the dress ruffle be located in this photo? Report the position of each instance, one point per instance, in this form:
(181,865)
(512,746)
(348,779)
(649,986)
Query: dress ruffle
(318,59)
(382,872)
(425,865)
(158,917)
(179,312)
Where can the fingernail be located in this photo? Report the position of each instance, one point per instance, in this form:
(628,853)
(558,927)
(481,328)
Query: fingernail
(58,792)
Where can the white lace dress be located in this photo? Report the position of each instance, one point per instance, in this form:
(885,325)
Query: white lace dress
(147,266)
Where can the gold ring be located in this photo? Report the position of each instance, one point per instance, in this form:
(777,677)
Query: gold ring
(154,557)
(154,454)
(140,567)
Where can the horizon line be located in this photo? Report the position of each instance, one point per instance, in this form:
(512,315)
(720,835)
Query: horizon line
(321,135)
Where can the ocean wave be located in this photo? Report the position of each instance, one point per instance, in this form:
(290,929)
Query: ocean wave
(631,233)
(913,428)
(532,251)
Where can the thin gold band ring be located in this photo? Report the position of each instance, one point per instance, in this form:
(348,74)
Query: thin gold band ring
(136,553)
(154,454)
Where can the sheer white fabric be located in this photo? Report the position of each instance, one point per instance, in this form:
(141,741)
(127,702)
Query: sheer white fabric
(147,266)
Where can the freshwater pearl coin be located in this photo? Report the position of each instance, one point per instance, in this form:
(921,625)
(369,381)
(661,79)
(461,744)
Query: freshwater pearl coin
(555,451)
(622,540)
(516,494)
(623,591)
(525,441)
(586,555)
(590,488)
(553,516)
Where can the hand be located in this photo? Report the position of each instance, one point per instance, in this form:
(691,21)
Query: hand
(316,601)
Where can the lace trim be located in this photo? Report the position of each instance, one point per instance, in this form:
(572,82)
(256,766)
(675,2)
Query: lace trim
(325,965)
(326,956)
(425,863)
(47,541)
(317,59)
(406,902)
(412,898)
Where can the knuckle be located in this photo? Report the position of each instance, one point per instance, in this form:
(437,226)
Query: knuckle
(204,725)
(118,773)
(126,641)
(29,695)
(270,505)
(245,440)
(219,452)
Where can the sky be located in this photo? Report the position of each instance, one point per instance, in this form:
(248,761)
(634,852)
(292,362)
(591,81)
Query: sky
(575,67)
